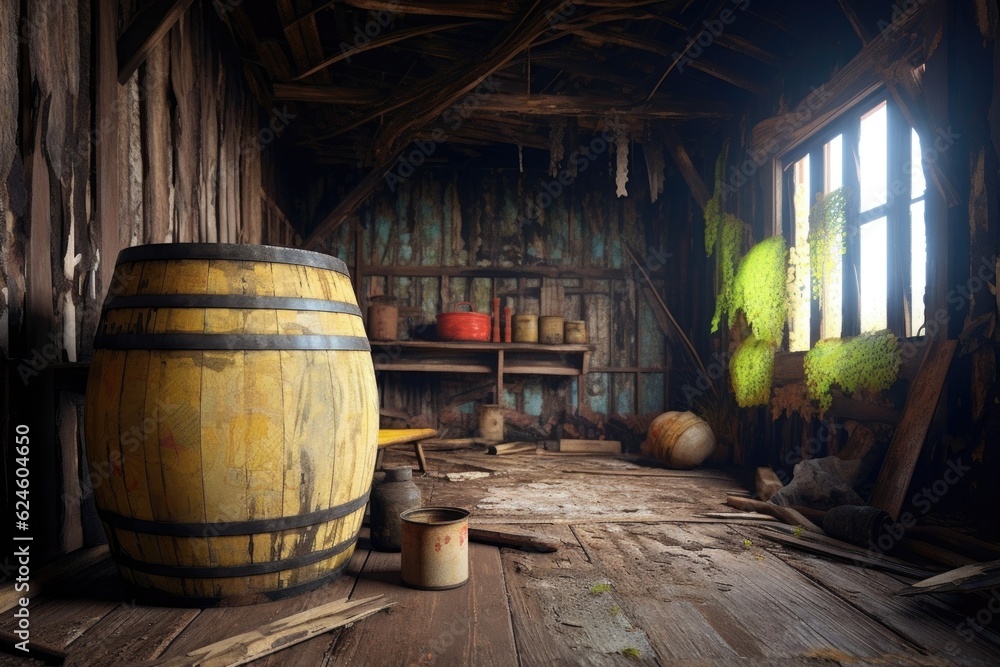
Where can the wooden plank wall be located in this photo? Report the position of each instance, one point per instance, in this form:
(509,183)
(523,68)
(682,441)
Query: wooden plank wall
(449,219)
(87,167)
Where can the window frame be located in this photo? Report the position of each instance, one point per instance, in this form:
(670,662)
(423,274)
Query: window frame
(896,209)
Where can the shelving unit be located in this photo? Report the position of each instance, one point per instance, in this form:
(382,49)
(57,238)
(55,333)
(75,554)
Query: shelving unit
(485,358)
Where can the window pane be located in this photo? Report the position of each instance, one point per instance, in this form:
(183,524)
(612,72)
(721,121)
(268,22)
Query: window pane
(874,158)
(831,324)
(918,267)
(833,152)
(798,318)
(919,186)
(874,277)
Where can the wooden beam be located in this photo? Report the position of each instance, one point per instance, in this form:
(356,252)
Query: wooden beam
(675,147)
(907,91)
(377,43)
(417,107)
(515,103)
(144,31)
(500,10)
(863,75)
(106,150)
(683,46)
(908,439)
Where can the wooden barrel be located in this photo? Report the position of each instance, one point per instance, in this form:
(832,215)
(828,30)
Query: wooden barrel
(681,440)
(231,421)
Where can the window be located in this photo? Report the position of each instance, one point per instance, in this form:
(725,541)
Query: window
(879,281)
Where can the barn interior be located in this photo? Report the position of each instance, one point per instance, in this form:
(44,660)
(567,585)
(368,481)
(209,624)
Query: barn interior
(691,307)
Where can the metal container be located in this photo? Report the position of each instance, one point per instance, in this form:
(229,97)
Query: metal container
(491,422)
(383,321)
(525,328)
(550,330)
(435,553)
(857,524)
(463,326)
(394,495)
(575,332)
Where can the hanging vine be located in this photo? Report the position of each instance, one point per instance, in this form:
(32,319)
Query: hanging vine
(869,361)
(731,238)
(713,208)
(751,370)
(827,219)
(759,290)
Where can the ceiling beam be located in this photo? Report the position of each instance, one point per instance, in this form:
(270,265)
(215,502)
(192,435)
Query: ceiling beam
(907,91)
(652,46)
(416,107)
(144,32)
(514,103)
(501,10)
(379,42)
(685,165)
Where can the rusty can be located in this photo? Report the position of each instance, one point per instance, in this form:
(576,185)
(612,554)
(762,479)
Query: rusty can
(525,328)
(550,330)
(435,554)
(575,332)
(383,321)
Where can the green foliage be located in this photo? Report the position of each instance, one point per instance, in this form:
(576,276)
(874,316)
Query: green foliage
(713,208)
(869,361)
(759,290)
(631,652)
(826,235)
(750,371)
(729,252)
(598,589)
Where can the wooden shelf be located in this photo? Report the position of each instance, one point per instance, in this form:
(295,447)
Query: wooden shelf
(420,356)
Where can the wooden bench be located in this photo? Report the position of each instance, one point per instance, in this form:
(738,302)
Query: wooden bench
(387,437)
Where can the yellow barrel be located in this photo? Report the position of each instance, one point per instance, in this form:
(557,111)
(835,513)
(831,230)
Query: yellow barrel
(231,421)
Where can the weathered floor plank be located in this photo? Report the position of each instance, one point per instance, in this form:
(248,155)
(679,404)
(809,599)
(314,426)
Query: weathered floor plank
(926,621)
(469,625)
(751,604)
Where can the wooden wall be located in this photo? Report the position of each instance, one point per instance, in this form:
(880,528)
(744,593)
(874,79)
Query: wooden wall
(87,167)
(423,242)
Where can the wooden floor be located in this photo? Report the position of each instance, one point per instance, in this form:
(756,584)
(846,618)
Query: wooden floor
(642,578)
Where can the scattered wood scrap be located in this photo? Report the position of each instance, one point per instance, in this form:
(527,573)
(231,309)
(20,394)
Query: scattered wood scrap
(517,540)
(976,577)
(511,448)
(786,514)
(278,635)
(827,546)
(908,440)
(573,446)
(768,483)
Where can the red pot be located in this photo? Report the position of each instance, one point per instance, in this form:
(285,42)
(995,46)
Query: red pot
(463,326)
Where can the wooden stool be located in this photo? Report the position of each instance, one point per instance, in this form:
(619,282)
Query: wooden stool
(387,437)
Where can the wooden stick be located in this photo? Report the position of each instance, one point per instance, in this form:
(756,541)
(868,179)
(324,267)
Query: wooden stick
(511,448)
(908,439)
(848,552)
(767,483)
(677,327)
(275,636)
(786,514)
(518,540)
(981,576)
